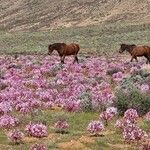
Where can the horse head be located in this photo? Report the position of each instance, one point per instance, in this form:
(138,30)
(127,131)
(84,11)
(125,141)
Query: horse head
(50,49)
(126,47)
(122,48)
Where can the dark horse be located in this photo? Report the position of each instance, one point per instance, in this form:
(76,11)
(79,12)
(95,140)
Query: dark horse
(65,50)
(136,51)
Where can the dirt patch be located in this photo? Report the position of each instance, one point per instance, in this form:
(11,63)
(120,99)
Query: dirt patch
(5,147)
(86,140)
(56,108)
(108,132)
(119,146)
(53,137)
(72,145)
(30,140)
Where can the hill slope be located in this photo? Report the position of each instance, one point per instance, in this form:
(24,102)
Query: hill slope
(36,15)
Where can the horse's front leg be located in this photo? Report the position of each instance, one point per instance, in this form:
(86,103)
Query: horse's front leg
(148,61)
(132,59)
(62,59)
(136,59)
(76,59)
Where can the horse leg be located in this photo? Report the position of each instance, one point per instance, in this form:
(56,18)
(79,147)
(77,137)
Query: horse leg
(148,59)
(136,59)
(131,59)
(76,59)
(62,59)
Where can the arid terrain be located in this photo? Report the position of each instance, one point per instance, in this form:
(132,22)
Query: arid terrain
(33,15)
(100,103)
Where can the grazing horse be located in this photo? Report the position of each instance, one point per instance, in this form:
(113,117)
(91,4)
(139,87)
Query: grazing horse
(136,51)
(65,50)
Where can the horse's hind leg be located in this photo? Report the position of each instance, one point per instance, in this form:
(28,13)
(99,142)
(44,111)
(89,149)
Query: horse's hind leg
(148,59)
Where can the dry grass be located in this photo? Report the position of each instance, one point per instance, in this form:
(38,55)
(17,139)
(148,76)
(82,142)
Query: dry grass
(33,15)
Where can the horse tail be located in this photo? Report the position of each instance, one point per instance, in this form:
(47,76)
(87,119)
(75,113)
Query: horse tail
(78,47)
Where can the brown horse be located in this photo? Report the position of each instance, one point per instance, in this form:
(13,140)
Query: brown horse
(136,51)
(65,50)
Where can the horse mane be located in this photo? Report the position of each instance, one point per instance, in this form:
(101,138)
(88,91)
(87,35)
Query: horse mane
(58,46)
(128,47)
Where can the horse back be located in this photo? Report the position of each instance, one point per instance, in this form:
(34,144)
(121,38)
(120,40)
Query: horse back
(141,51)
(75,46)
(71,49)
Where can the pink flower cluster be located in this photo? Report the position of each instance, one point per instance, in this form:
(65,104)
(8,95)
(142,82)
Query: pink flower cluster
(15,136)
(112,110)
(133,70)
(38,147)
(61,124)
(8,122)
(72,106)
(108,114)
(144,88)
(118,76)
(131,132)
(5,107)
(131,114)
(147,116)
(36,130)
(95,127)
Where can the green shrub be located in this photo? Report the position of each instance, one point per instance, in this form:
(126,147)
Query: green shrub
(132,99)
(86,102)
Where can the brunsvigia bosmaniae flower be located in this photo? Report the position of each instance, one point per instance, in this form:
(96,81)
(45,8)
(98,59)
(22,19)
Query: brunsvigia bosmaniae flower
(15,136)
(147,116)
(108,114)
(8,122)
(61,125)
(132,133)
(95,127)
(131,114)
(37,130)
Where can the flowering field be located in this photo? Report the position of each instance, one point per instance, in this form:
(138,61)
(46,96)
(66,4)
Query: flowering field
(100,103)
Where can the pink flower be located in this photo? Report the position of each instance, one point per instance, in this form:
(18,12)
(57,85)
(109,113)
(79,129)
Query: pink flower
(15,136)
(5,107)
(147,116)
(132,132)
(112,110)
(36,130)
(8,122)
(61,124)
(118,76)
(119,124)
(144,88)
(106,116)
(122,123)
(133,70)
(131,114)
(95,127)
(72,106)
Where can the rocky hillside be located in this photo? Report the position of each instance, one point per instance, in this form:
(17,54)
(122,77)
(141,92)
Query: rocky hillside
(33,15)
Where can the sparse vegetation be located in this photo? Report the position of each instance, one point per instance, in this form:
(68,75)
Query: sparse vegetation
(92,39)
(51,105)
